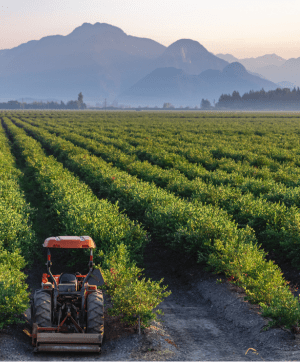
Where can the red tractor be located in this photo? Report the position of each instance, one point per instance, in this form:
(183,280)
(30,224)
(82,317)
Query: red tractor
(67,313)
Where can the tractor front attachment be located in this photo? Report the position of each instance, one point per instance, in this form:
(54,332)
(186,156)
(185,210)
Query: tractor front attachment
(48,339)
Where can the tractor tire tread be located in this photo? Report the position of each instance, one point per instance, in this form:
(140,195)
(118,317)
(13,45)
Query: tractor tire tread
(42,307)
(95,313)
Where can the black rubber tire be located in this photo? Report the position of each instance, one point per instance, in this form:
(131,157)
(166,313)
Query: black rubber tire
(95,313)
(42,307)
(31,313)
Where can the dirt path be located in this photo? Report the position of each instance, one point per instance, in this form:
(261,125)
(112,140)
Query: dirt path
(211,321)
(203,320)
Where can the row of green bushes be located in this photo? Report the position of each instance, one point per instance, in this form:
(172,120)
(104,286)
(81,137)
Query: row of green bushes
(15,221)
(278,186)
(208,147)
(199,229)
(276,226)
(75,210)
(271,135)
(200,163)
(73,206)
(267,188)
(211,151)
(17,239)
(168,217)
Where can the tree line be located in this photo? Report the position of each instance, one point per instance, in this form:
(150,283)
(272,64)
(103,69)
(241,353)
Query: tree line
(79,104)
(278,99)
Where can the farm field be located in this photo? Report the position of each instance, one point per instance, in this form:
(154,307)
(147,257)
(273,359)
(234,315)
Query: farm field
(223,189)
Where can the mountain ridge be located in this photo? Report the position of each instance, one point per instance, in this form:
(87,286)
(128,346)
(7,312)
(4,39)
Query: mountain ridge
(101,61)
(178,87)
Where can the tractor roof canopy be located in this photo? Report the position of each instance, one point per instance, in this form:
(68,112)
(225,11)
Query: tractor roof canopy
(70,242)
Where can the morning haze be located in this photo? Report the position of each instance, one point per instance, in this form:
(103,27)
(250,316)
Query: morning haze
(179,54)
(243,29)
(103,62)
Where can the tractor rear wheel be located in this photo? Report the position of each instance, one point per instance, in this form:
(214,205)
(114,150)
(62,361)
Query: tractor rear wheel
(95,313)
(42,306)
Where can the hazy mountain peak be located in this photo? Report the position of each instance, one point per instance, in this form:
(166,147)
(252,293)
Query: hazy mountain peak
(235,68)
(271,57)
(190,56)
(186,45)
(96,29)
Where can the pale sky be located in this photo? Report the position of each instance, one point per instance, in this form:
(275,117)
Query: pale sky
(238,27)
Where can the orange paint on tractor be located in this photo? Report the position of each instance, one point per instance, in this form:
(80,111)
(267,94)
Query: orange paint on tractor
(70,242)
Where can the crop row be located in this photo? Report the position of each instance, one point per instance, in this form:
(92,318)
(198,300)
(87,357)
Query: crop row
(257,180)
(212,192)
(250,132)
(15,221)
(168,217)
(219,160)
(17,239)
(173,150)
(199,229)
(73,207)
(257,184)
(128,159)
(275,225)
(212,150)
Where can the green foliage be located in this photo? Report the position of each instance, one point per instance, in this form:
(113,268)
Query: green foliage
(132,295)
(170,219)
(16,238)
(14,298)
(185,177)
(76,210)
(15,214)
(252,209)
(284,310)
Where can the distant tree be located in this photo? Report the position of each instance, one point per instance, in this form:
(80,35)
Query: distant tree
(80,100)
(168,105)
(236,96)
(224,98)
(205,104)
(72,105)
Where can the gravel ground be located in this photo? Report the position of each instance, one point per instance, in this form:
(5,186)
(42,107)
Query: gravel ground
(203,320)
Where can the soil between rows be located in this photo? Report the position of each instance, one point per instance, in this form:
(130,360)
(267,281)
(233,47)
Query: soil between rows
(202,320)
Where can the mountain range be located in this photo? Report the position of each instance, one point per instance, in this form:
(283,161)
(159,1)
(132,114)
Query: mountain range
(272,67)
(102,61)
(186,89)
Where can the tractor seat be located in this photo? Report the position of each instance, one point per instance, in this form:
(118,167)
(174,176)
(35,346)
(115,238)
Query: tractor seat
(67,283)
(67,278)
